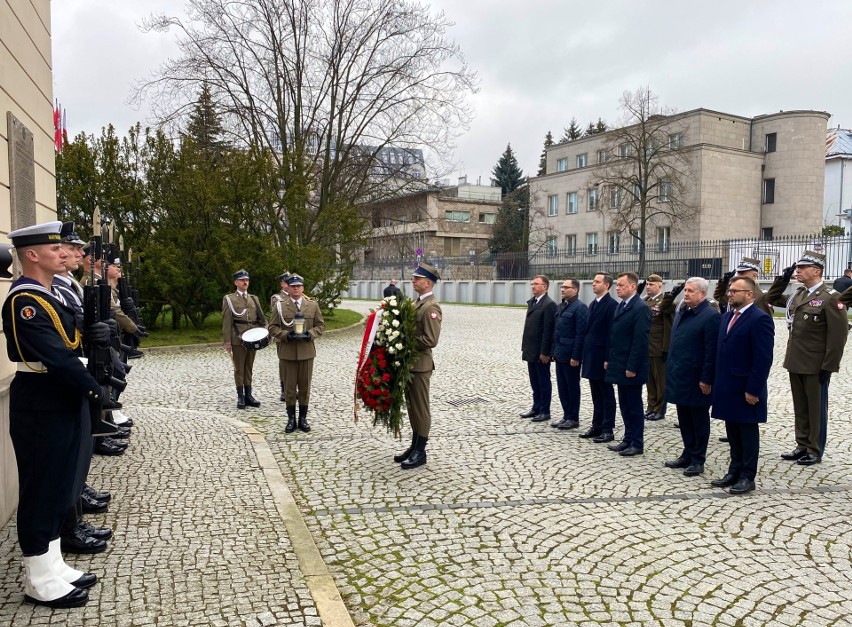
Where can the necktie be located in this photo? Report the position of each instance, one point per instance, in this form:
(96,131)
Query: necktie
(620,308)
(733,320)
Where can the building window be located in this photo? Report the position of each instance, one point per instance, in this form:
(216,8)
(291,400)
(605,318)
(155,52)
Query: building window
(452,246)
(571,202)
(487,218)
(771,139)
(603,156)
(665,191)
(457,216)
(675,141)
(550,244)
(593,199)
(767,232)
(664,234)
(635,241)
(768,191)
(582,160)
(614,197)
(637,193)
(561,165)
(571,244)
(591,243)
(625,150)
(613,243)
(553,205)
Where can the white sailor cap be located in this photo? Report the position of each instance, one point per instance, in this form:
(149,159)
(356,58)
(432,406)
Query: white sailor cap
(47,233)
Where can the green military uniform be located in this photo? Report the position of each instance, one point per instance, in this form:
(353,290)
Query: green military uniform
(417,392)
(662,314)
(297,354)
(747,265)
(239,314)
(818,325)
(272,302)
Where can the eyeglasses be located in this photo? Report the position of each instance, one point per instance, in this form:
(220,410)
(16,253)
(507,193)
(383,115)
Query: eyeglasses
(735,291)
(568,287)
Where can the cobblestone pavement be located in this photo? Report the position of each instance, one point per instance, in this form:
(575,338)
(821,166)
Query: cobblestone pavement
(509,523)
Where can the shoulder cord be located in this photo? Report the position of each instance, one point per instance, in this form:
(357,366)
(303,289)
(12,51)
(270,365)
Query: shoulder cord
(281,316)
(234,311)
(791,312)
(56,323)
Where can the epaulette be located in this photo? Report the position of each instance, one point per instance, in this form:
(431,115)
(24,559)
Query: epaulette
(831,290)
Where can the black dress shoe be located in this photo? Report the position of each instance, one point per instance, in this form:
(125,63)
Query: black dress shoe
(96,494)
(75,598)
(87,580)
(631,451)
(529,414)
(680,462)
(591,433)
(556,424)
(693,470)
(100,533)
(541,418)
(742,486)
(794,455)
(603,438)
(78,542)
(92,506)
(417,458)
(655,416)
(725,482)
(113,442)
(621,446)
(104,448)
(809,460)
(569,424)
(721,439)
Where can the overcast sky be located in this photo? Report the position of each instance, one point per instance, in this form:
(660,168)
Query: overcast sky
(539,62)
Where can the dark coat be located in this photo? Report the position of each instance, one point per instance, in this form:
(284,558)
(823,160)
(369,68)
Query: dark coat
(628,344)
(597,337)
(743,360)
(391,290)
(569,331)
(692,356)
(538,328)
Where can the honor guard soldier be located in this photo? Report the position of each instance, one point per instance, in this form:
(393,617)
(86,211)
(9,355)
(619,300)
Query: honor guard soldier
(296,322)
(428,331)
(284,293)
(748,267)
(241,311)
(817,320)
(662,309)
(48,413)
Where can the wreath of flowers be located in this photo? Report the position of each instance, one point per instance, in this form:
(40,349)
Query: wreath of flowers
(386,361)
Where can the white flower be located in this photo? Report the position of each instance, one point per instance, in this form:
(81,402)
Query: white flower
(394,335)
(396,363)
(395,323)
(399,346)
(385,323)
(396,312)
(392,301)
(391,350)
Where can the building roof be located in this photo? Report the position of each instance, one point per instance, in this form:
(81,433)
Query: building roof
(838,143)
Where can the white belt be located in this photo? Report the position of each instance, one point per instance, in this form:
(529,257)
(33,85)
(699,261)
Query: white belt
(38,367)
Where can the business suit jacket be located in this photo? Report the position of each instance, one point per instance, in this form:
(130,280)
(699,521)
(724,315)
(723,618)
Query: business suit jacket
(282,315)
(597,337)
(692,359)
(569,330)
(538,328)
(628,344)
(743,360)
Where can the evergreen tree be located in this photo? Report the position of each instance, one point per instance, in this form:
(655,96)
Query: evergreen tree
(511,226)
(571,132)
(596,128)
(507,174)
(205,123)
(542,162)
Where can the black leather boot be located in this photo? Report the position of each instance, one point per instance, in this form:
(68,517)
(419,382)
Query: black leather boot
(303,419)
(404,455)
(241,399)
(251,401)
(283,398)
(418,455)
(291,420)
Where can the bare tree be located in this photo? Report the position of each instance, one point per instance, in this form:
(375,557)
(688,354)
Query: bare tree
(341,94)
(647,179)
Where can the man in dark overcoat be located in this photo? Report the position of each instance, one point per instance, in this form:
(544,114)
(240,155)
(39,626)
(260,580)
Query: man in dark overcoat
(690,372)
(536,348)
(569,331)
(627,362)
(595,346)
(743,359)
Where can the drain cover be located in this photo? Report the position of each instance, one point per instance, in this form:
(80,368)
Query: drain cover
(467,401)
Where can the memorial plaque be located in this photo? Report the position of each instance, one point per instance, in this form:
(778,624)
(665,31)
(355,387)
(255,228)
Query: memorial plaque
(22,188)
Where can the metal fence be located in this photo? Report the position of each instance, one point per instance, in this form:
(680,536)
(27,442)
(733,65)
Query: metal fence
(709,259)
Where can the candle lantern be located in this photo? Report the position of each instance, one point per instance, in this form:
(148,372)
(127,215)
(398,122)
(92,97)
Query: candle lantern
(299,323)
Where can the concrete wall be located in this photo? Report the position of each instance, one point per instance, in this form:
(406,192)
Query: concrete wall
(26,89)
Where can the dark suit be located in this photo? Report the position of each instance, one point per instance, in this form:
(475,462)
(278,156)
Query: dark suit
(743,360)
(391,290)
(594,355)
(628,351)
(693,361)
(568,335)
(538,340)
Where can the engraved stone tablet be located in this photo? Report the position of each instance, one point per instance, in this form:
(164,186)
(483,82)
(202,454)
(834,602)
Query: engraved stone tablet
(21,172)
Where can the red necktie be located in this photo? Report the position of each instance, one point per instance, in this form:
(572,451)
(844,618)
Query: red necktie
(733,320)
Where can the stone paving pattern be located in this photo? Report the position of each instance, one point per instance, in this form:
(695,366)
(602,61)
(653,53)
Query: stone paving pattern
(509,523)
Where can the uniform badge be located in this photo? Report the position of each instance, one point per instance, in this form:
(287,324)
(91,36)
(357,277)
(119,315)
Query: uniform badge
(806,316)
(841,306)
(28,312)
(433,315)
(816,303)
